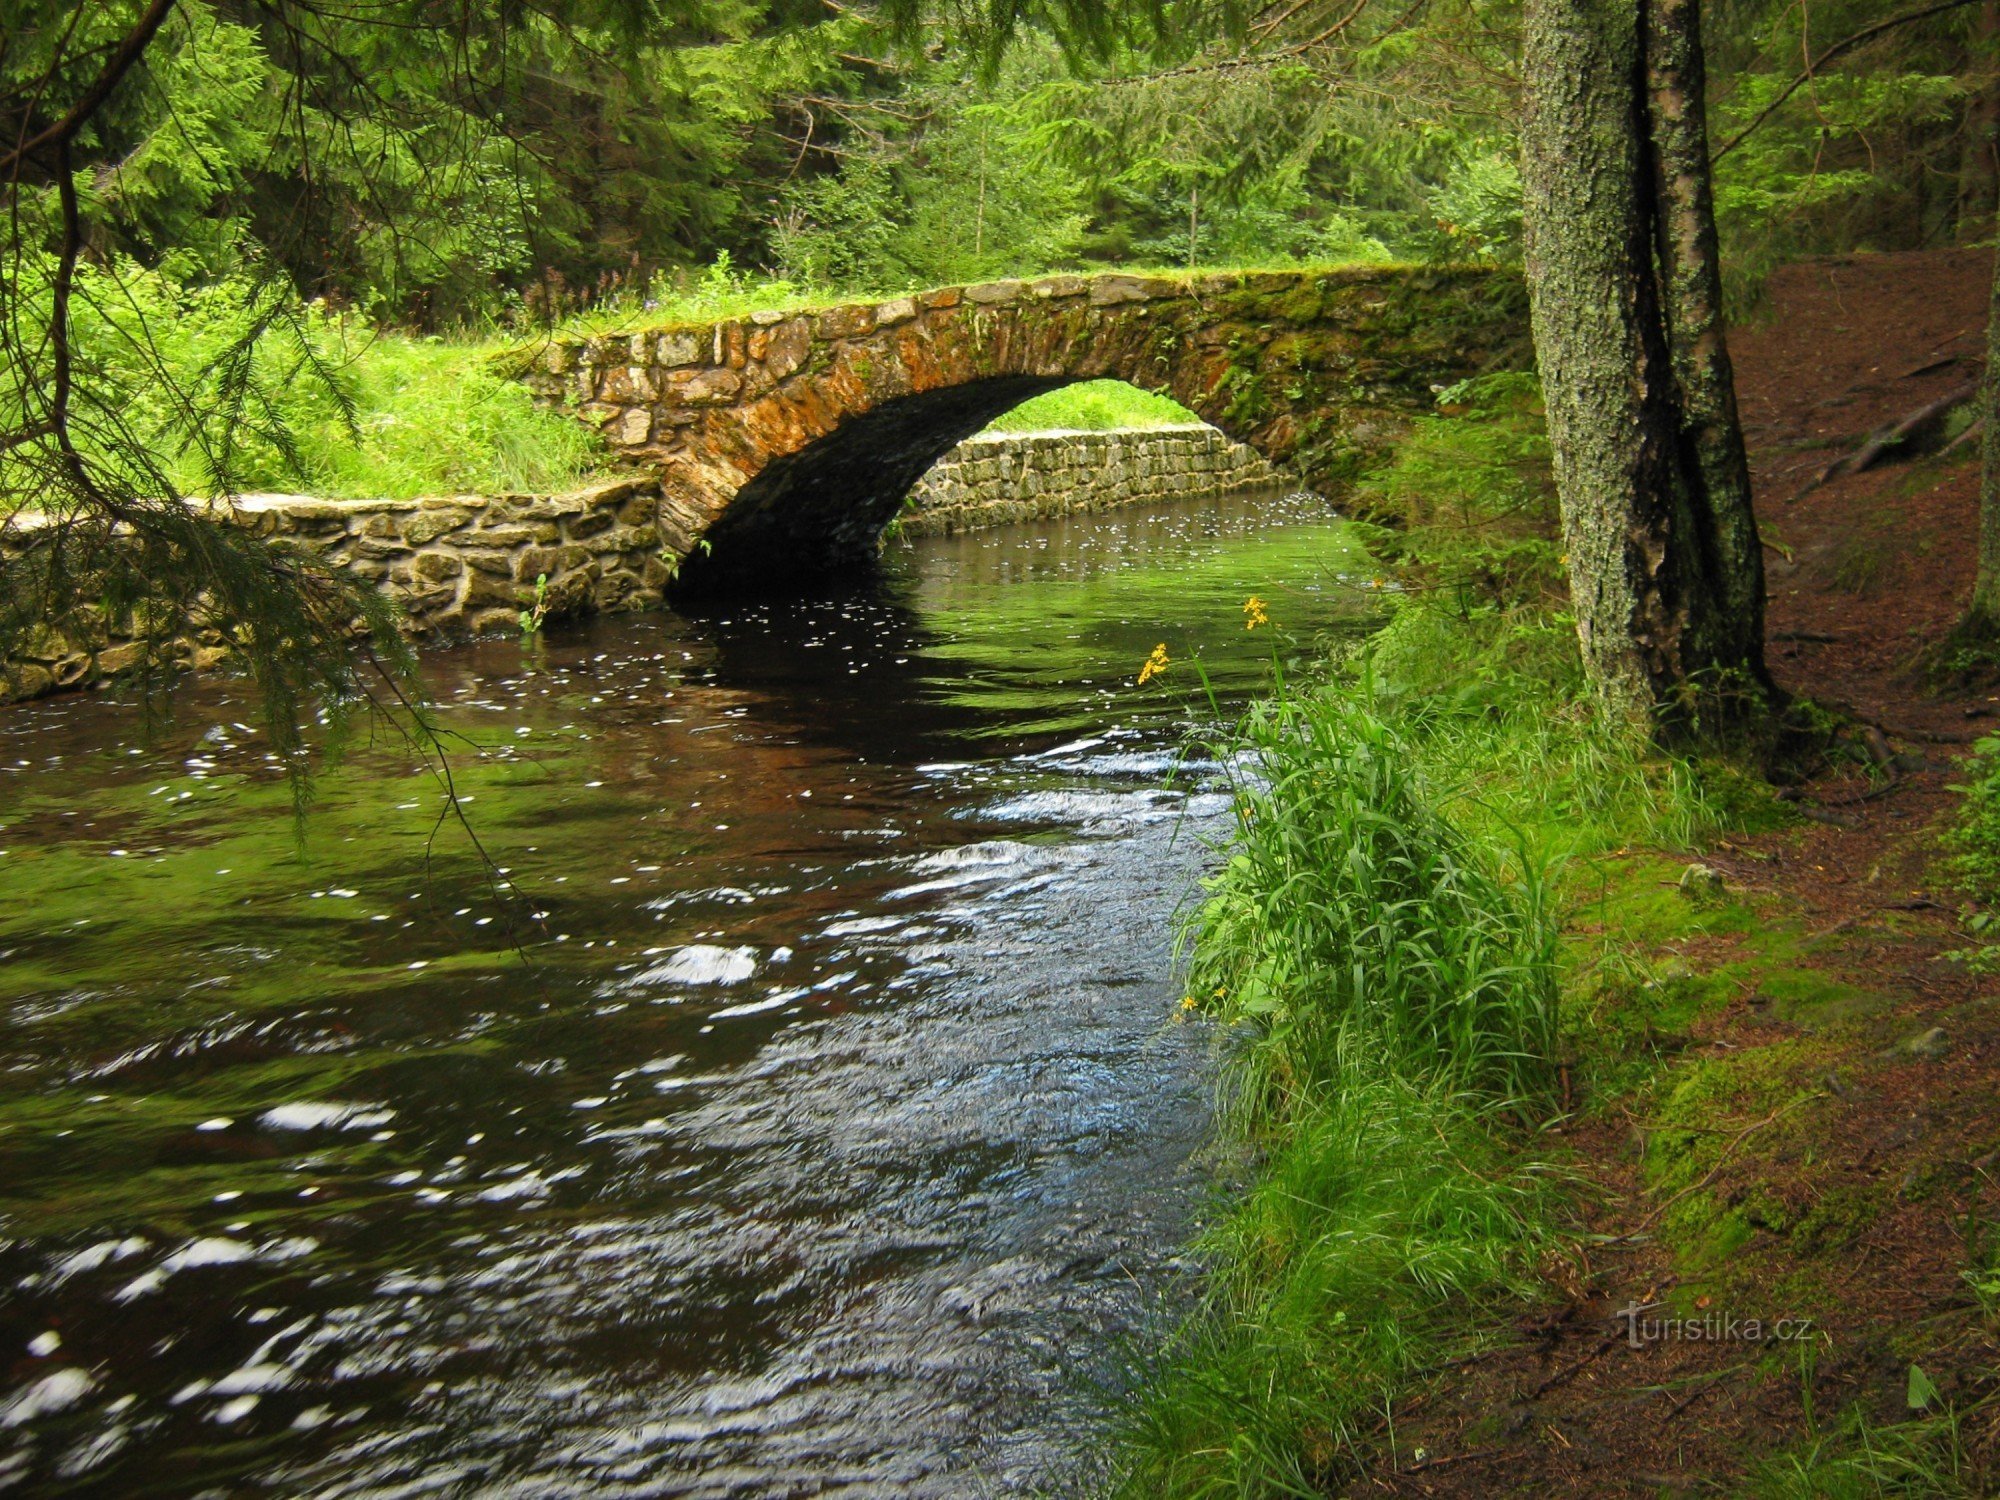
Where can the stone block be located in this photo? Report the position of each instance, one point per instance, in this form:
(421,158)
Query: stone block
(1058,286)
(625,384)
(895,310)
(493,564)
(627,539)
(994,293)
(482,589)
(635,426)
(702,387)
(789,346)
(493,621)
(504,536)
(432,522)
(612,589)
(675,349)
(846,322)
(122,657)
(424,601)
(436,567)
(1111,291)
(570,594)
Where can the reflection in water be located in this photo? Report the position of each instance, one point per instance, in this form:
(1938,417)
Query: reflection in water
(830,1141)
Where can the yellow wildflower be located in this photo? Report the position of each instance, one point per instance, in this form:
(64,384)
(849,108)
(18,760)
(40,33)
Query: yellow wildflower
(1187,1002)
(1155,664)
(1253,613)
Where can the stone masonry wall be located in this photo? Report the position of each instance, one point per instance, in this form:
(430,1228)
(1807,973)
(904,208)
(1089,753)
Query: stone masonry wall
(463,565)
(458,565)
(995,478)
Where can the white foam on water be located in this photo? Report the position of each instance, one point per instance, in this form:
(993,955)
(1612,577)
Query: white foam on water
(861,926)
(703,963)
(757,1007)
(54,1392)
(308,1114)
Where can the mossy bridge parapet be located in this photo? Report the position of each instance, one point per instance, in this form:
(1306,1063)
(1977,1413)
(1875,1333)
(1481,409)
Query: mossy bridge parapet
(786,441)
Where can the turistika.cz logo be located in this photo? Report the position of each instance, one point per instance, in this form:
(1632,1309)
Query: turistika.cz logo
(1707,1328)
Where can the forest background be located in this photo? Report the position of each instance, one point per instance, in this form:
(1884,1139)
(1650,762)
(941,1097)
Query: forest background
(307,225)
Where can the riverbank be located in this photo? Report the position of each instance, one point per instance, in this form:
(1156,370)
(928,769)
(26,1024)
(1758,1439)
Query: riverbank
(1772,1102)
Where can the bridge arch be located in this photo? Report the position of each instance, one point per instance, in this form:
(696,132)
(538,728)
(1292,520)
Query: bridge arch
(786,441)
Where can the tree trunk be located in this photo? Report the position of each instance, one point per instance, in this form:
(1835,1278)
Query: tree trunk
(1979,161)
(1986,589)
(1690,267)
(1665,572)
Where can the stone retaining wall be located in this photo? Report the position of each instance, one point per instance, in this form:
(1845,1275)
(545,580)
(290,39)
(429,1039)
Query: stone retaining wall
(995,478)
(458,565)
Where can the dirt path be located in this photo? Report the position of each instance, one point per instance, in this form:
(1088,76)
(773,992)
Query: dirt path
(1821,1123)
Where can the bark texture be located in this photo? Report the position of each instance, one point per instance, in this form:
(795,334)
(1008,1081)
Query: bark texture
(1690,267)
(1979,164)
(1986,589)
(1664,567)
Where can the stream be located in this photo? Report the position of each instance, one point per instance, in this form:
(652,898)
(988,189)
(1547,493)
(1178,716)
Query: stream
(802,1112)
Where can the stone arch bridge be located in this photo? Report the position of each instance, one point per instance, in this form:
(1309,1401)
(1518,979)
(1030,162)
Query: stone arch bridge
(786,441)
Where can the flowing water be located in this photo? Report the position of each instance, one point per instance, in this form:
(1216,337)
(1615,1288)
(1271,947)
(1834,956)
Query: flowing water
(833,1137)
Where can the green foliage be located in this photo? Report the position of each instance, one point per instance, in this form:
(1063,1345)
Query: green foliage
(1391,985)
(1974,838)
(1880,149)
(1972,842)
(1093,406)
(1477,208)
(721,289)
(228,386)
(434,416)
(1475,496)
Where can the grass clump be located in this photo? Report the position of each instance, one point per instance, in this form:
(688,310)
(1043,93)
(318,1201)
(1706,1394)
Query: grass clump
(430,417)
(1379,1216)
(1859,1459)
(1359,927)
(1093,406)
(1391,987)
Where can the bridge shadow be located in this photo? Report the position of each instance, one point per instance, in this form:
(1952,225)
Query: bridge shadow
(822,510)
